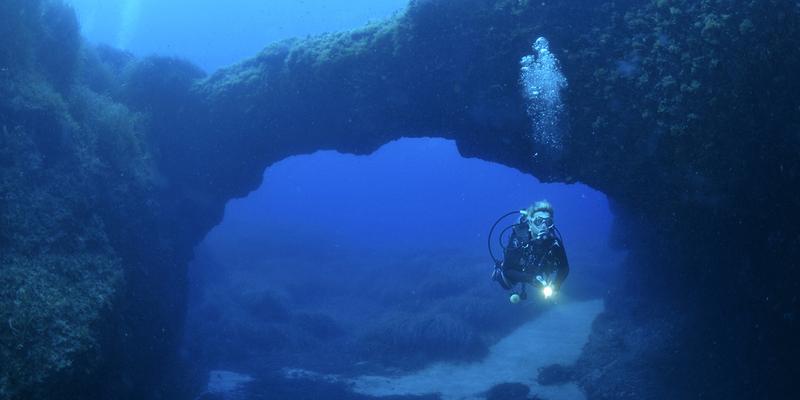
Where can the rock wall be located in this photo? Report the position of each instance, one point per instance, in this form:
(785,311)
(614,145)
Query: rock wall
(684,112)
(91,283)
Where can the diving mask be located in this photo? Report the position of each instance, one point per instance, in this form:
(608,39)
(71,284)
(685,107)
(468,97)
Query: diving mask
(540,224)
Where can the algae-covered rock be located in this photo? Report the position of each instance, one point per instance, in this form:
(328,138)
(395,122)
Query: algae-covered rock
(77,179)
(68,180)
(49,305)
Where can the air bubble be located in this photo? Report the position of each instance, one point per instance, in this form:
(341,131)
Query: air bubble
(542,83)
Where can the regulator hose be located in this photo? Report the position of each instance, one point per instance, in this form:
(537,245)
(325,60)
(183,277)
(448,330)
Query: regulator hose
(491,232)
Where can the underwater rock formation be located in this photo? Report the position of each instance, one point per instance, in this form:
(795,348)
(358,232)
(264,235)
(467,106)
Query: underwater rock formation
(683,112)
(80,241)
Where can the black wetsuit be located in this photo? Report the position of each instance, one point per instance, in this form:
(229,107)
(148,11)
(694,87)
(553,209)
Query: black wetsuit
(525,258)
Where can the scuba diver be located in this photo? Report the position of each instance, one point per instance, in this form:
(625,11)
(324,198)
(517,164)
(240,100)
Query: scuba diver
(534,254)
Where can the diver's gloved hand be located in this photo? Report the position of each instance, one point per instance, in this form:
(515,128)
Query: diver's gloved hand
(538,282)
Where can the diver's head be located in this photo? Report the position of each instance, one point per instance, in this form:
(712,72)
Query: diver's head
(540,219)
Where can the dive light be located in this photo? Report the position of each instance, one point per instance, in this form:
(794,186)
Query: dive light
(547,289)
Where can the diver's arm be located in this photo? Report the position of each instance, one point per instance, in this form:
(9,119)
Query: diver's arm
(516,276)
(511,256)
(512,268)
(563,265)
(561,276)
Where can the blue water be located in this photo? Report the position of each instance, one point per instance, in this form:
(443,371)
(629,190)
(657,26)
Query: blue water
(213,34)
(412,195)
